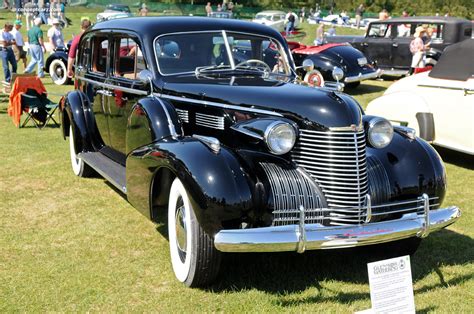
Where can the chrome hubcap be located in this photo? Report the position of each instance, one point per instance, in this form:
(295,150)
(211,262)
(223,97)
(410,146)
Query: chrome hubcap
(181,232)
(59,71)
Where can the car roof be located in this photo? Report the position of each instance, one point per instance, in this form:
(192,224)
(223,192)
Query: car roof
(155,26)
(424,19)
(456,62)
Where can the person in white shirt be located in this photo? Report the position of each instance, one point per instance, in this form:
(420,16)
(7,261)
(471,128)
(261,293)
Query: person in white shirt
(55,35)
(20,54)
(6,52)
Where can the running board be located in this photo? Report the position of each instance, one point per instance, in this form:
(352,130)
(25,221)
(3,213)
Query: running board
(109,169)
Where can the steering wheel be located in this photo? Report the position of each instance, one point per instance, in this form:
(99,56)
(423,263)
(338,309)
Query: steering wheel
(261,64)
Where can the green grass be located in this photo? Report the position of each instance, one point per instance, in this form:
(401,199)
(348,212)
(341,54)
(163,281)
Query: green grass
(71,244)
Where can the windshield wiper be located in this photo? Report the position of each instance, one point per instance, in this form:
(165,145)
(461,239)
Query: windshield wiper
(212,68)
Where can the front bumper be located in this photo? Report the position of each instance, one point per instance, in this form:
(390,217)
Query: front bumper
(316,236)
(362,77)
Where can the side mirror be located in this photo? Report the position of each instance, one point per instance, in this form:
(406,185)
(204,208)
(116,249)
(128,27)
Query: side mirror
(145,76)
(308,65)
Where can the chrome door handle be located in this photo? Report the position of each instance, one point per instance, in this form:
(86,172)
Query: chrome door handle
(394,45)
(104,92)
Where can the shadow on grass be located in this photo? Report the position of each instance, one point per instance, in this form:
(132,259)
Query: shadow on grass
(284,273)
(457,158)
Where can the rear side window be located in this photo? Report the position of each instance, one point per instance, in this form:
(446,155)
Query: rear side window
(100,53)
(128,59)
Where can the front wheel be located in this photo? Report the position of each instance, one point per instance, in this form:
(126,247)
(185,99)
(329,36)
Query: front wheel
(194,258)
(79,167)
(58,72)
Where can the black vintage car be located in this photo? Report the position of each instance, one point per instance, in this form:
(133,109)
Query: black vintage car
(387,42)
(333,63)
(240,156)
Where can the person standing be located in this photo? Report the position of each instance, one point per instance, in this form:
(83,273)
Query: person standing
(35,40)
(208,9)
(20,54)
(417,49)
(6,52)
(85,24)
(55,35)
(359,13)
(143,10)
(319,35)
(290,25)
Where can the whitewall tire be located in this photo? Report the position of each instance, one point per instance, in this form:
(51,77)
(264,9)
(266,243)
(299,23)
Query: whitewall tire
(79,167)
(58,72)
(194,258)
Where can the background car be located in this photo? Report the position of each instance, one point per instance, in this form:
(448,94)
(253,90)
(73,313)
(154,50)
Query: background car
(56,65)
(354,65)
(222,14)
(439,104)
(114,11)
(387,42)
(274,19)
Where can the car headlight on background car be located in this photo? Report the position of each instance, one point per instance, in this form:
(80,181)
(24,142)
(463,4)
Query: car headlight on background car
(337,73)
(280,137)
(380,132)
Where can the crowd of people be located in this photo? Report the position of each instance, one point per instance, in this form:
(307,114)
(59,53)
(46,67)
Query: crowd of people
(224,6)
(12,45)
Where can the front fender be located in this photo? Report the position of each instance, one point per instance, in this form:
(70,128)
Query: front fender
(324,65)
(217,184)
(73,107)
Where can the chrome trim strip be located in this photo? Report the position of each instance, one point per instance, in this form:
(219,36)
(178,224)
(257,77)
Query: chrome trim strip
(220,105)
(171,126)
(287,237)
(229,51)
(114,87)
(362,77)
(301,232)
(426,212)
(464,89)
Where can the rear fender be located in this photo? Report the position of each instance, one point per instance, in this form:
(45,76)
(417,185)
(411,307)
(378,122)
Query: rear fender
(401,108)
(218,186)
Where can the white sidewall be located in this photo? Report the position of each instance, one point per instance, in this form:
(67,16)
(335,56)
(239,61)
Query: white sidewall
(54,76)
(181,270)
(76,163)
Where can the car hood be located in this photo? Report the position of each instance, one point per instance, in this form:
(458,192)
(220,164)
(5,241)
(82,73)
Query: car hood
(313,107)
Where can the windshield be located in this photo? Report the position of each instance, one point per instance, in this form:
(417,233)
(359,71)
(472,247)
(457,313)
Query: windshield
(220,52)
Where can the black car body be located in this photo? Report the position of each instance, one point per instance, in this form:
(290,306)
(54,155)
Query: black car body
(325,58)
(387,42)
(243,159)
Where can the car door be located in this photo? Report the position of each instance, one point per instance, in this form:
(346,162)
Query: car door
(377,45)
(95,77)
(124,88)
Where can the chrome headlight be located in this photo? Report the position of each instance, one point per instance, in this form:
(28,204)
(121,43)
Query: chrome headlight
(337,73)
(380,132)
(280,137)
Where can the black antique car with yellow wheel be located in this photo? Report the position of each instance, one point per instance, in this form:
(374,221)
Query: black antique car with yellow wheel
(236,153)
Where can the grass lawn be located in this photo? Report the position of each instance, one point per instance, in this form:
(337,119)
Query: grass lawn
(71,244)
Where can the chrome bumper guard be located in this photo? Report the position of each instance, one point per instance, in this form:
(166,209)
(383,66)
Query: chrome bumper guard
(362,77)
(303,236)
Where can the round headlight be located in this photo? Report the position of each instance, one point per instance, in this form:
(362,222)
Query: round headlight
(337,73)
(280,137)
(380,132)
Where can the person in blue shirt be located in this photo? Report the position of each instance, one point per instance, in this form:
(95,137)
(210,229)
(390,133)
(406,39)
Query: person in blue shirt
(6,51)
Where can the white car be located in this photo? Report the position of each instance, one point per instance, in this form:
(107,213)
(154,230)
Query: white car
(114,11)
(274,19)
(438,104)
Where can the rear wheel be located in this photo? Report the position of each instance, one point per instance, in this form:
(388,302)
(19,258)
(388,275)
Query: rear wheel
(79,167)
(194,258)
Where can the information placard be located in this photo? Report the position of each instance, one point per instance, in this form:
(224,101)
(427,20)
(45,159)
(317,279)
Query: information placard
(391,285)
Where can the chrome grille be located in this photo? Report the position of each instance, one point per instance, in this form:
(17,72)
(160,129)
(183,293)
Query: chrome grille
(210,121)
(337,162)
(291,189)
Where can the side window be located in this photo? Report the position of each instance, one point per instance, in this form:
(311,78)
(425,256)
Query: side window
(128,58)
(403,30)
(378,30)
(84,53)
(100,51)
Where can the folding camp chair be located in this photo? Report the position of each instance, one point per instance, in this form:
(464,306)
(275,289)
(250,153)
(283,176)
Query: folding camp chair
(38,108)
